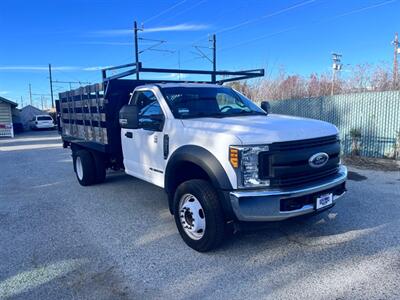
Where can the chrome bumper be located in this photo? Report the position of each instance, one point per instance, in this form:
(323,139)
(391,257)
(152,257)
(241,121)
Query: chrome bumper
(265,205)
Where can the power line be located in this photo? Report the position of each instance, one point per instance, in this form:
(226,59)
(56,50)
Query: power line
(230,28)
(183,11)
(164,11)
(312,23)
(362,9)
(152,47)
(236,26)
(71,82)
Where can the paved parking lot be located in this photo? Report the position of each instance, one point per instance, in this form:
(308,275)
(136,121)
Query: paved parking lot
(118,241)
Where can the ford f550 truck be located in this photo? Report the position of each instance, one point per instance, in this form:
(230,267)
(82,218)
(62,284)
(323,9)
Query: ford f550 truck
(220,158)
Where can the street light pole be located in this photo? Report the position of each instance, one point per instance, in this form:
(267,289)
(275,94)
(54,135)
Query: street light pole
(336,66)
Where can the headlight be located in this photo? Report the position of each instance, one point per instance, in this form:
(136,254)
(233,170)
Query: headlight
(245,161)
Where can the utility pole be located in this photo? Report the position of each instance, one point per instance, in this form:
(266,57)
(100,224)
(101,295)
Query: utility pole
(336,66)
(51,87)
(135,28)
(22,102)
(30,94)
(41,100)
(214,48)
(395,43)
(213,60)
(179,64)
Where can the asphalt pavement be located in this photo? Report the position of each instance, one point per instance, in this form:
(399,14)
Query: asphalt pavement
(117,240)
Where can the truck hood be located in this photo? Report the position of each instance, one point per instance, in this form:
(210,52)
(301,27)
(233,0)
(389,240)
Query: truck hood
(263,129)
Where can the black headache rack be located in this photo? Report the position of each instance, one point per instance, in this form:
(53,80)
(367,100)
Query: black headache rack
(89,116)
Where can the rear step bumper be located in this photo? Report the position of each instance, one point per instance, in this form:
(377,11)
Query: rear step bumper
(281,204)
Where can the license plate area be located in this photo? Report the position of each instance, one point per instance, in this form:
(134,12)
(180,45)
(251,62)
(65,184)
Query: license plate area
(323,200)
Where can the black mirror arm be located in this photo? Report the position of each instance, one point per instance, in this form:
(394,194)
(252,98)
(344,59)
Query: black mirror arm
(266,106)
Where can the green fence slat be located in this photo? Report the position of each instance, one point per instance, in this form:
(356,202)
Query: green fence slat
(377,114)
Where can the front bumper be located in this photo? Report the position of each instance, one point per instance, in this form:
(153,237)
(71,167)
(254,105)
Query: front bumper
(266,205)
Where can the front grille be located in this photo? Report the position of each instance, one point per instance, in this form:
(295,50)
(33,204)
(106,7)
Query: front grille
(302,144)
(286,164)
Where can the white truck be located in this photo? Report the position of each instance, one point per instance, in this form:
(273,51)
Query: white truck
(220,158)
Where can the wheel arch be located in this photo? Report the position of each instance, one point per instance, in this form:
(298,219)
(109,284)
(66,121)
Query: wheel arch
(196,163)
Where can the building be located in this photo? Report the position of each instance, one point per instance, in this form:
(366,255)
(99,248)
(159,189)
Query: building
(27,114)
(6,117)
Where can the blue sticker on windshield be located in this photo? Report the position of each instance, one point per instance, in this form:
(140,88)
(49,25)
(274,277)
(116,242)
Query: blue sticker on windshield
(183,110)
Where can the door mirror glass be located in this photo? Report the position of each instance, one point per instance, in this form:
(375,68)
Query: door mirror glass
(128,117)
(152,122)
(266,106)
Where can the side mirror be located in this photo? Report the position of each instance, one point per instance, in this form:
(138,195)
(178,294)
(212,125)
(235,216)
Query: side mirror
(128,117)
(152,122)
(265,106)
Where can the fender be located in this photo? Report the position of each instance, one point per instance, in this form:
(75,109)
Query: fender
(209,164)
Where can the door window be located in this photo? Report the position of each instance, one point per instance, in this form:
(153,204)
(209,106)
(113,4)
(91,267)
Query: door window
(150,114)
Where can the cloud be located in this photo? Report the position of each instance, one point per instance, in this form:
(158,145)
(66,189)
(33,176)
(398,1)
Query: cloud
(95,68)
(178,27)
(53,68)
(4,92)
(109,43)
(177,76)
(37,68)
(172,76)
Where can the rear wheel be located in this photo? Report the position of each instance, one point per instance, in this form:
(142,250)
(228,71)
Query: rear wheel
(84,166)
(198,215)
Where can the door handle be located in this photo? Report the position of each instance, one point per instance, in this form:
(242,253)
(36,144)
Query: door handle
(129,134)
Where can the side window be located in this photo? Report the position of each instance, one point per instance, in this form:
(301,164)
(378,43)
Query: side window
(150,113)
(147,103)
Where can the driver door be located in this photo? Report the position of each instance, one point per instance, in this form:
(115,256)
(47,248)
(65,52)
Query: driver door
(143,151)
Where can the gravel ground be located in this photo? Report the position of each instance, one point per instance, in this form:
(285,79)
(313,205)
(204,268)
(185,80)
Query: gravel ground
(117,240)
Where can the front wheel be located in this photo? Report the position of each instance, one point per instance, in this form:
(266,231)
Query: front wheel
(198,215)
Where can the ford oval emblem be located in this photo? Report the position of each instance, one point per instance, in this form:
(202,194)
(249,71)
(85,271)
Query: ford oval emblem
(318,160)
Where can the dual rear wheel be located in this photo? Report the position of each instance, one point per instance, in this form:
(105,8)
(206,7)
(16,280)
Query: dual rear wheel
(89,167)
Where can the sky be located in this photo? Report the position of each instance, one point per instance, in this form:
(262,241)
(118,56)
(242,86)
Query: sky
(79,37)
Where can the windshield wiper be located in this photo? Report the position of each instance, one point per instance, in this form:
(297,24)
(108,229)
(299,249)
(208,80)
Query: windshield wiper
(204,115)
(243,112)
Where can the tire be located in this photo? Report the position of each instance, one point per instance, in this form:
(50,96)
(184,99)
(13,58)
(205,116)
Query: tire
(84,167)
(100,167)
(189,216)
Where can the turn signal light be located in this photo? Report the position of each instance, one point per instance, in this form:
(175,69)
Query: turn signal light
(234,157)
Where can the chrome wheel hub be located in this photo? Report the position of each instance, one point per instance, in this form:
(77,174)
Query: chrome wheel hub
(192,217)
(79,168)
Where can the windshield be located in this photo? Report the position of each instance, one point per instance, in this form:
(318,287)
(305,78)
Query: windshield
(204,102)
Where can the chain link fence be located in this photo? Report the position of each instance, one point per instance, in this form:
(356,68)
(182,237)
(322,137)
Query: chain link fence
(375,115)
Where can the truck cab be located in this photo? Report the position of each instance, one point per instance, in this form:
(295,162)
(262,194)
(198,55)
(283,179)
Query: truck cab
(221,159)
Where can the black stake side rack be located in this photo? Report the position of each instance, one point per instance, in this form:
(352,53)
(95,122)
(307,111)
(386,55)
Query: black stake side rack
(137,69)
